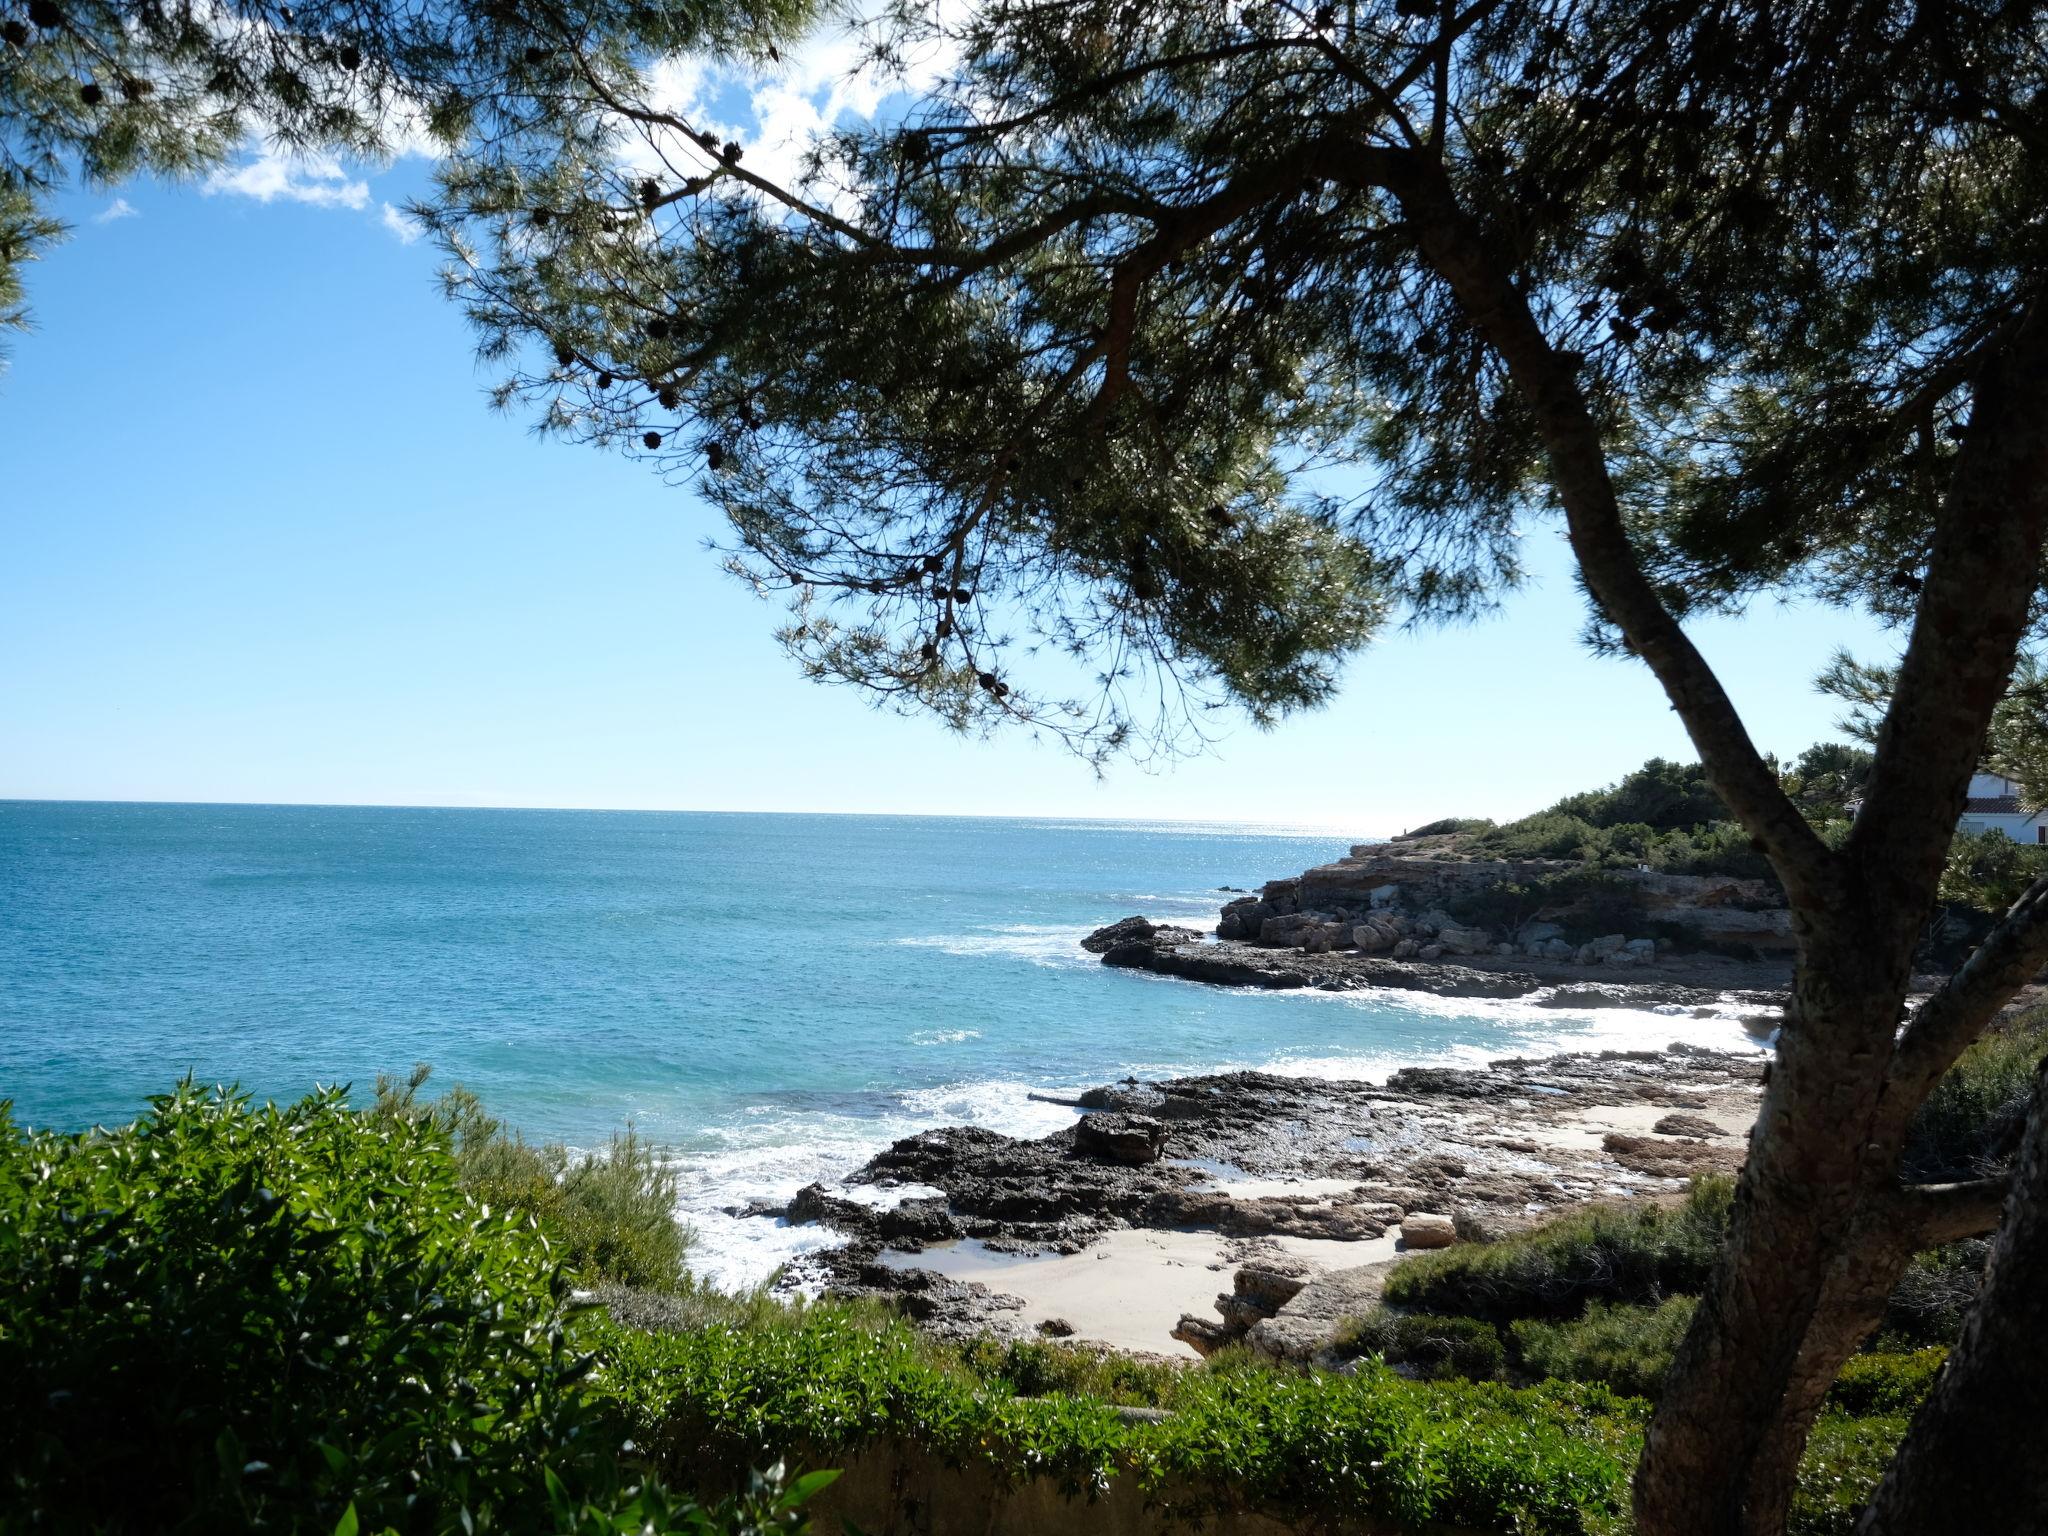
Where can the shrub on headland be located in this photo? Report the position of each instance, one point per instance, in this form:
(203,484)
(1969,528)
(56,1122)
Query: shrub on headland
(1970,1125)
(224,1317)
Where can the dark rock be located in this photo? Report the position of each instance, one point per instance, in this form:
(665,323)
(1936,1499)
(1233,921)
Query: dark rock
(1687,1125)
(1131,1098)
(1135,930)
(1121,1138)
(1056,1328)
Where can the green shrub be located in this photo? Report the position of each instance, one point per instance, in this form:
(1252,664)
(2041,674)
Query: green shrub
(1881,1385)
(1987,871)
(1037,1368)
(1448,824)
(226,1318)
(1546,1459)
(1843,1463)
(1626,1348)
(1546,835)
(1437,1347)
(1970,1124)
(610,1217)
(1939,1287)
(1639,1254)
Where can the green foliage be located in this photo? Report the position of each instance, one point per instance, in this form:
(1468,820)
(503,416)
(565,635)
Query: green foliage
(1970,1125)
(1886,1384)
(1627,1348)
(1661,795)
(1552,1459)
(226,1318)
(1987,871)
(1826,779)
(1842,1465)
(1446,825)
(1934,1295)
(1628,1253)
(1435,1346)
(101,90)
(1037,1368)
(609,1216)
(1079,330)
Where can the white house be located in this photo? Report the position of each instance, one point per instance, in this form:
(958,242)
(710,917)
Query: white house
(1995,802)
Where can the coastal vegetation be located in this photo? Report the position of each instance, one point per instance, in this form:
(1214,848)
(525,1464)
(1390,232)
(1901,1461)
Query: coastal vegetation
(227,1317)
(1054,361)
(404,1318)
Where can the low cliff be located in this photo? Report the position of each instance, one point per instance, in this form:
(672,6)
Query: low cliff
(1539,907)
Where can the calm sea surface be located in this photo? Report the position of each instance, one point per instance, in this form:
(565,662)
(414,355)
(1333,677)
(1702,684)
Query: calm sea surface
(774,997)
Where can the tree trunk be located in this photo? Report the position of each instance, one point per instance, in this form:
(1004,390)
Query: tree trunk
(1976,1457)
(1800,1283)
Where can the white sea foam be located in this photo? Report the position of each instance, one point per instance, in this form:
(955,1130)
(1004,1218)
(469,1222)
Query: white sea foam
(774,1151)
(1040,943)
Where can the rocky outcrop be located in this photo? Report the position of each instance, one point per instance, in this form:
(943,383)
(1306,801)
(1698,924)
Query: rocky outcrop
(1120,1138)
(1374,899)
(1482,1143)
(1135,930)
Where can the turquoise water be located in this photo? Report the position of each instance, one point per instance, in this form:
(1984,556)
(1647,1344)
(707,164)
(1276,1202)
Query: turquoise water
(774,997)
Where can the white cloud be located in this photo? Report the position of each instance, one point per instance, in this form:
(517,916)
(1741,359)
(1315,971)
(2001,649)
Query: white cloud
(315,179)
(401,224)
(119,208)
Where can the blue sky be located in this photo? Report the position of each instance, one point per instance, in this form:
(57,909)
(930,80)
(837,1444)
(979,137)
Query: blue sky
(264,541)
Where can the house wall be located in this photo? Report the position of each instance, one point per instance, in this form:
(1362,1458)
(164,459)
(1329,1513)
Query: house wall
(2021,829)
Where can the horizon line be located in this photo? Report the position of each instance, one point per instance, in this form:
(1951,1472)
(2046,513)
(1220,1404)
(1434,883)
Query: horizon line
(658,810)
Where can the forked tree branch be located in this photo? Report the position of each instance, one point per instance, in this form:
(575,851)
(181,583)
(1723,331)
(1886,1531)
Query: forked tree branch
(1457,249)
(1974,606)
(2010,956)
(1929,1215)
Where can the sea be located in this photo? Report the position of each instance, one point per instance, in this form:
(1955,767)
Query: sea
(770,998)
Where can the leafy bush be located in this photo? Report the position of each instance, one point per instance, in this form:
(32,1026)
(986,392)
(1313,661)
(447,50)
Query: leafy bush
(1971,1123)
(1987,871)
(1546,1459)
(1640,1254)
(1435,1346)
(1928,1304)
(610,1217)
(1546,835)
(1446,825)
(1843,1463)
(1626,1348)
(1878,1385)
(1662,795)
(1035,1368)
(226,1318)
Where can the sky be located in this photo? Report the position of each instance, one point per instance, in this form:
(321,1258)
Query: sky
(262,539)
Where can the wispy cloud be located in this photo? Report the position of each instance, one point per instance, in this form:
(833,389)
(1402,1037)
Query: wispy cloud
(119,208)
(316,179)
(401,224)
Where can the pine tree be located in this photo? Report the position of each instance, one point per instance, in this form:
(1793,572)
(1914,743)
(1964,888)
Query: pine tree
(1748,298)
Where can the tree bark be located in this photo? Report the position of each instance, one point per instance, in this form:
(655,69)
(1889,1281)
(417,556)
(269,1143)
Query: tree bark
(1976,1457)
(1817,1240)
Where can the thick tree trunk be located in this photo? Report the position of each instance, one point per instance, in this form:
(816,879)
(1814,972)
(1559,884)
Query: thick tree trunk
(1821,1228)
(1976,1458)
(1801,1283)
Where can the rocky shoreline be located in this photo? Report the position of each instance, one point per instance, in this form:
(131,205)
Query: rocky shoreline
(1288,1179)
(1704,982)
